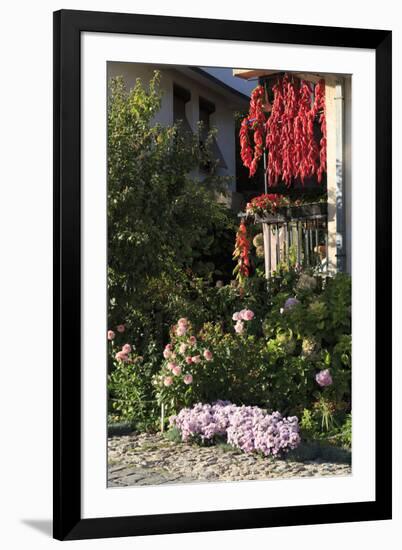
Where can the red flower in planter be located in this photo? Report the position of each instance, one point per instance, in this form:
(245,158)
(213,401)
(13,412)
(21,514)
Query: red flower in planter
(266,203)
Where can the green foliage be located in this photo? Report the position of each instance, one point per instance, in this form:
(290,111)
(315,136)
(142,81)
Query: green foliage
(273,364)
(320,450)
(164,225)
(311,336)
(345,433)
(324,422)
(130,392)
(174,435)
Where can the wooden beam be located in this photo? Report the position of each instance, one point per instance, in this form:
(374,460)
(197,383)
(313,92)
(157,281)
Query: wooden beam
(248,74)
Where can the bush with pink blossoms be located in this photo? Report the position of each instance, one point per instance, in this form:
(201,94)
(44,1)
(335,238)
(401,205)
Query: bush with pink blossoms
(214,364)
(185,367)
(250,429)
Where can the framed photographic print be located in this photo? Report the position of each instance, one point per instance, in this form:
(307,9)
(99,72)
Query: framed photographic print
(222,274)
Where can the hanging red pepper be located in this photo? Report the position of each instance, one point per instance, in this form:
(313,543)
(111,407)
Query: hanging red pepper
(288,133)
(255,121)
(273,135)
(289,166)
(246,151)
(306,145)
(241,254)
(319,109)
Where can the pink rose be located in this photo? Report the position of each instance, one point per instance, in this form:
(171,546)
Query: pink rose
(181,330)
(192,340)
(324,378)
(168,381)
(121,356)
(126,348)
(169,347)
(236,316)
(110,335)
(121,328)
(248,315)
(166,353)
(239,327)
(196,359)
(241,314)
(208,355)
(188,379)
(171,366)
(176,370)
(183,321)
(183,348)
(189,360)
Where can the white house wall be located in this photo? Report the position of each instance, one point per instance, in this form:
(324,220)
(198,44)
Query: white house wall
(222,118)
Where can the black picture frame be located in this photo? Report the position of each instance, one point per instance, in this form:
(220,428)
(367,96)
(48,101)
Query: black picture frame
(68,26)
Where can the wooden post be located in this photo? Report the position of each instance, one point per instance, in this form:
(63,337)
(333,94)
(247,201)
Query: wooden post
(162,417)
(267,249)
(330,111)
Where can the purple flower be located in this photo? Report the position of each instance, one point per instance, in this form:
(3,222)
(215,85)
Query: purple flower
(249,428)
(290,303)
(324,378)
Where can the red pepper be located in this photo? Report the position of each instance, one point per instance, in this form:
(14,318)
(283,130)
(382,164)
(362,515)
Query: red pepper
(288,133)
(241,253)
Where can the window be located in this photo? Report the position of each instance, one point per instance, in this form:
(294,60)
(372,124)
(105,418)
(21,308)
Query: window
(180,97)
(206,109)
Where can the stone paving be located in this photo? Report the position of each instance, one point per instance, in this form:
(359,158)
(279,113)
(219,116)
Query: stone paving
(151,459)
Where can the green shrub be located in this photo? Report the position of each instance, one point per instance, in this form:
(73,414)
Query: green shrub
(165,227)
(313,334)
(131,396)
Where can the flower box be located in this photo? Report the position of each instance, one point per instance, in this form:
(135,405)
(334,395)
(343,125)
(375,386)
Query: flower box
(305,211)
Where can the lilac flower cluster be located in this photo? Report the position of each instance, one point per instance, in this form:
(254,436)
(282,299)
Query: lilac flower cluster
(247,428)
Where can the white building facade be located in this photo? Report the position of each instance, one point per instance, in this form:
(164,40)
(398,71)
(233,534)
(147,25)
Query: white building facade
(191,94)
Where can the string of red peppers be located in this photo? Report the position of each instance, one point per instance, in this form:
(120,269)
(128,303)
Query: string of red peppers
(241,254)
(288,133)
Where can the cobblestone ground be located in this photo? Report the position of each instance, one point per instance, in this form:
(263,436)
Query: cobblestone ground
(151,459)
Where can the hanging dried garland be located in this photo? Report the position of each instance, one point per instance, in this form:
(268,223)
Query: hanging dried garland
(319,109)
(307,158)
(255,121)
(241,254)
(288,133)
